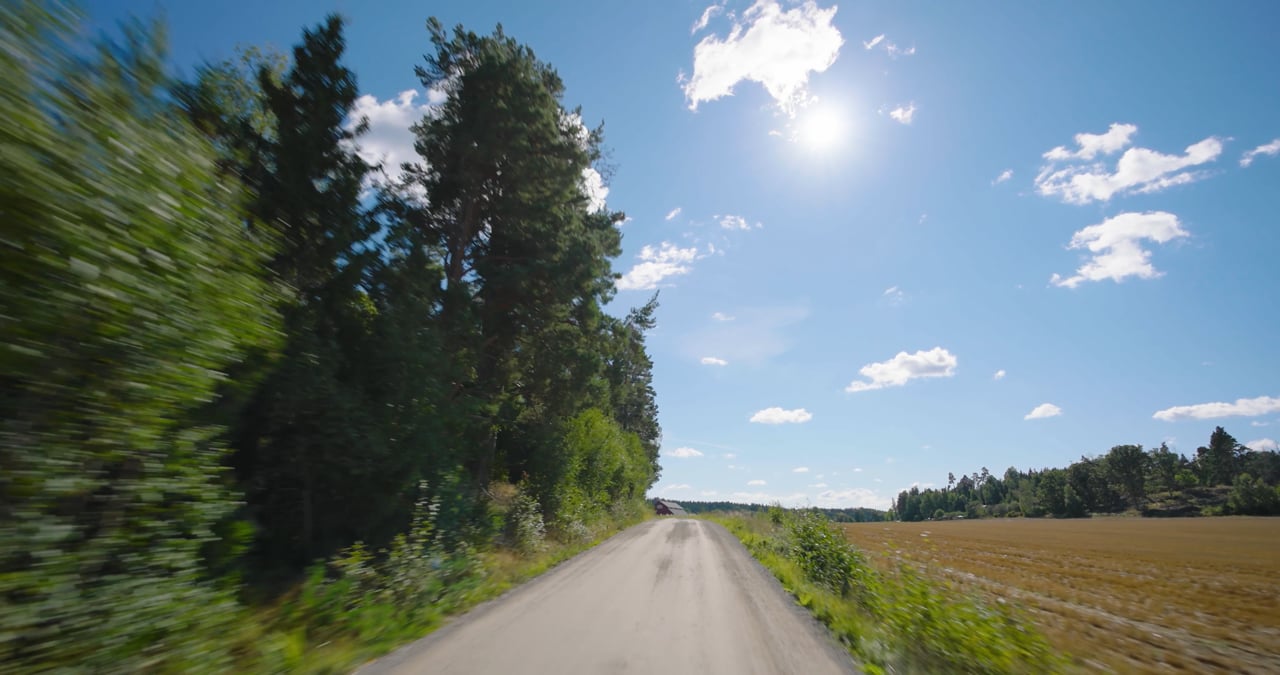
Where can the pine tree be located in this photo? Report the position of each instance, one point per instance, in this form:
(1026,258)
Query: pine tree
(525,262)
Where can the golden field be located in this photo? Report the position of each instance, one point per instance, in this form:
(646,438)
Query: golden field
(1129,595)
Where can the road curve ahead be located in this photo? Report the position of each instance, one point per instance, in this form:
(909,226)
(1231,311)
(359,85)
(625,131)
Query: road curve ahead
(669,596)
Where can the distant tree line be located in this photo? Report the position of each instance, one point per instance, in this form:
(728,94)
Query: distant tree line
(849,515)
(230,347)
(1224,477)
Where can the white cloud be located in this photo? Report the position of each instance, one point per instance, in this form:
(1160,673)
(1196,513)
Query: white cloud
(755,483)
(904,113)
(776,48)
(999,375)
(1004,176)
(777,415)
(676,487)
(708,493)
(1115,243)
(852,498)
(707,15)
(1244,407)
(1116,137)
(721,316)
(737,223)
(656,265)
(894,295)
(792,500)
(595,190)
(388,140)
(800,469)
(1139,170)
(592,183)
(729,455)
(682,453)
(673,213)
(857,469)
(1042,411)
(818,485)
(903,367)
(1270,149)
(892,49)
(713,361)
(1263,444)
(1259,423)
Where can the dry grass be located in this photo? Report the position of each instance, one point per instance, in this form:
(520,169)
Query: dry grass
(1189,595)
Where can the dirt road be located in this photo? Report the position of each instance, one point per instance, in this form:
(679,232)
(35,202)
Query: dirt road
(668,596)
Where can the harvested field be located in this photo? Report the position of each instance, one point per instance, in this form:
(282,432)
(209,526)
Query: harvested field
(1181,595)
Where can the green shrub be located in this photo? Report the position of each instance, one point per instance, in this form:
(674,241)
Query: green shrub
(128,287)
(1250,496)
(826,557)
(525,528)
(897,620)
(376,596)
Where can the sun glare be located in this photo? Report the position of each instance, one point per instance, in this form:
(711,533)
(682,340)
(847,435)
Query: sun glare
(821,128)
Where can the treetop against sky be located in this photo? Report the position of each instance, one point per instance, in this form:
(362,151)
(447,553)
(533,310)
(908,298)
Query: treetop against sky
(894,241)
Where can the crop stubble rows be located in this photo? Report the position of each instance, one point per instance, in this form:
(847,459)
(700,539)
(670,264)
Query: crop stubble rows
(1120,594)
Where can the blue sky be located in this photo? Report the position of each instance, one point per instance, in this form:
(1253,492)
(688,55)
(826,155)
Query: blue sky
(899,239)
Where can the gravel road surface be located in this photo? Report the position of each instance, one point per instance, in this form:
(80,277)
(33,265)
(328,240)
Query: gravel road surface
(669,596)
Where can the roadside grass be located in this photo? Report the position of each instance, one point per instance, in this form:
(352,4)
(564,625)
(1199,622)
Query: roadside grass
(891,618)
(358,607)
(1120,594)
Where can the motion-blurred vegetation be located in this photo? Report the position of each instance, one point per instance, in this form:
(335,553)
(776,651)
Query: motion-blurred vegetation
(231,348)
(892,618)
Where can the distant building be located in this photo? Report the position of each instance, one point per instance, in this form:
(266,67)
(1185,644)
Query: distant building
(663,507)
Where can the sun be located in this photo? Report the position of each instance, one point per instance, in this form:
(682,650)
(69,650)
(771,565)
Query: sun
(820,128)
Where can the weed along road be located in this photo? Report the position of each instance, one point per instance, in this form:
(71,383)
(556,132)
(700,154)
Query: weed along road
(667,596)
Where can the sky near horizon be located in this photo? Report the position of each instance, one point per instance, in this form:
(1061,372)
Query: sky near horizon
(896,240)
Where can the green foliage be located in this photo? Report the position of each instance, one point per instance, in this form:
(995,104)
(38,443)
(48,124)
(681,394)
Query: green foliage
(226,102)
(205,297)
(1127,465)
(825,556)
(1073,506)
(361,605)
(1218,463)
(1157,483)
(129,286)
(1250,496)
(897,618)
(376,597)
(525,264)
(853,515)
(525,528)
(938,629)
(1165,465)
(601,464)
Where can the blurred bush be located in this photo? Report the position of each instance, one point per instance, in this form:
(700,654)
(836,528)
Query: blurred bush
(128,283)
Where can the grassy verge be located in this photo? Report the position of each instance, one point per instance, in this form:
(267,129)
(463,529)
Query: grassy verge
(358,607)
(890,618)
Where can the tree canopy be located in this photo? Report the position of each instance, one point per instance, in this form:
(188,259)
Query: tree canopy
(1224,477)
(229,351)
